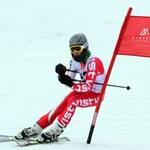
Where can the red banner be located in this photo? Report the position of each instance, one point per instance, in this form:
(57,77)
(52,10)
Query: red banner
(136,38)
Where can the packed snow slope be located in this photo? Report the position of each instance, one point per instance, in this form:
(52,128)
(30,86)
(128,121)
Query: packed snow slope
(34,37)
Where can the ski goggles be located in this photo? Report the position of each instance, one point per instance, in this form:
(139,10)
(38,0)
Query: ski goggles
(78,48)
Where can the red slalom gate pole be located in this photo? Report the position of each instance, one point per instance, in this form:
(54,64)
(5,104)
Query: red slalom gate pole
(108,75)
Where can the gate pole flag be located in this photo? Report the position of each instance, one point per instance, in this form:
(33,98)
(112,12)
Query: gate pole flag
(108,75)
(136,38)
(133,40)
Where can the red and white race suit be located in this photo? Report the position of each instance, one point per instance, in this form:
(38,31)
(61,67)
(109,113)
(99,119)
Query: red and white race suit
(84,94)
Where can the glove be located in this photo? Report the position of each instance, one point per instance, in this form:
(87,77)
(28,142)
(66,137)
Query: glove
(65,79)
(60,69)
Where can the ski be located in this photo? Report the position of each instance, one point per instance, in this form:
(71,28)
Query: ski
(30,142)
(27,142)
(7,138)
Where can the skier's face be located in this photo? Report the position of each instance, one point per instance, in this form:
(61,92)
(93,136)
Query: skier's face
(77,53)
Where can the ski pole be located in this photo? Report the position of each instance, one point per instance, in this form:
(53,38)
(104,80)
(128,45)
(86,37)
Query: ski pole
(119,86)
(112,85)
(71,70)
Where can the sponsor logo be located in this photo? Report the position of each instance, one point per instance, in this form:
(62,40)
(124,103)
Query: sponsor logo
(144,32)
(144,36)
(71,108)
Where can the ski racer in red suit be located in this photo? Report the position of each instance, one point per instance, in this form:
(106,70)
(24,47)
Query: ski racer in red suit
(84,94)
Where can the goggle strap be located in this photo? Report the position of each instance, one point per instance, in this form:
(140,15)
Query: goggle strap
(85,45)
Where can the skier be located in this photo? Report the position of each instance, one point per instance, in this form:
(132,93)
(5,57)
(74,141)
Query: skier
(84,94)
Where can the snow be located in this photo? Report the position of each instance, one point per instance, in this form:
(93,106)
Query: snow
(34,39)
